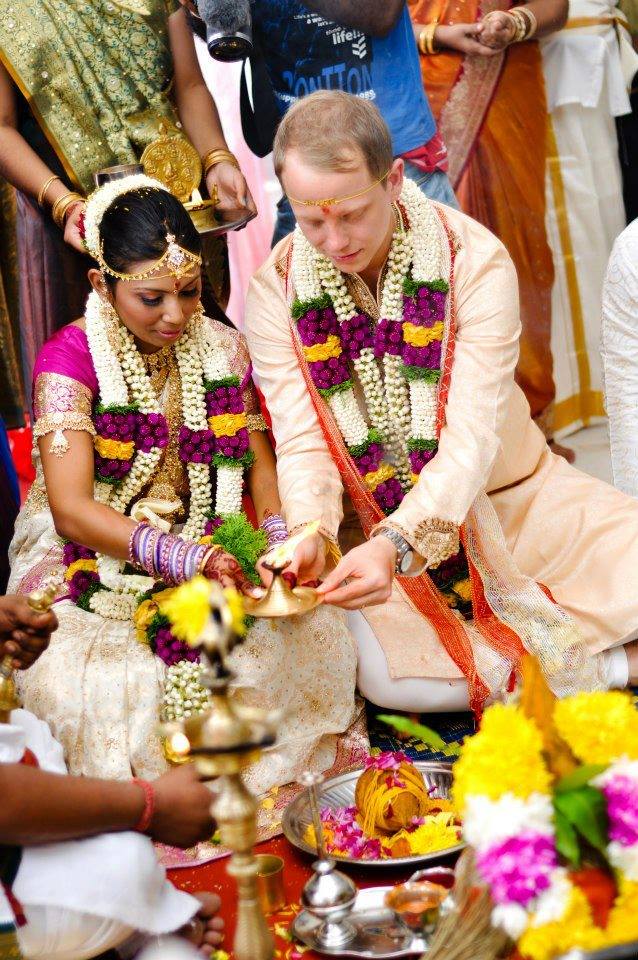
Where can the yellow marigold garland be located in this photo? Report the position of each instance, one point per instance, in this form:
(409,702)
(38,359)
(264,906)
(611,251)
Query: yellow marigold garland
(227,424)
(81,564)
(418,336)
(599,727)
(323,351)
(114,449)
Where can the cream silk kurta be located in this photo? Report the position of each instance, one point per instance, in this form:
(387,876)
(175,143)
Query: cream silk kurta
(570,532)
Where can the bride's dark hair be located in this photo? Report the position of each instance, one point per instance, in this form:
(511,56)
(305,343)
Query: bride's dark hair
(134,229)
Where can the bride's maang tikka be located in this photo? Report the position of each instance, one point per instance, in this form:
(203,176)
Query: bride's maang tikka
(178,261)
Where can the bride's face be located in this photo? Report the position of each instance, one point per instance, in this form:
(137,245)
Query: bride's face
(157,309)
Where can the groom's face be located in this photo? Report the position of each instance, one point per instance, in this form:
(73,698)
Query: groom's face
(352,232)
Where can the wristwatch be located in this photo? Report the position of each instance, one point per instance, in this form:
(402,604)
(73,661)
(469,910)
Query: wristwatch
(405,551)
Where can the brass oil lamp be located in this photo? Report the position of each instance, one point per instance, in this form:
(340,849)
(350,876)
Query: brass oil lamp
(280,599)
(40,601)
(222,742)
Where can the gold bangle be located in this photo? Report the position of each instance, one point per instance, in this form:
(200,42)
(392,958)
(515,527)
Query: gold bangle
(45,186)
(215,548)
(62,206)
(213,157)
(425,42)
(521,24)
(532,22)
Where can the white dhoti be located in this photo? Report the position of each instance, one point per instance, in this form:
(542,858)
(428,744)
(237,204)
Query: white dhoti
(587,68)
(83,897)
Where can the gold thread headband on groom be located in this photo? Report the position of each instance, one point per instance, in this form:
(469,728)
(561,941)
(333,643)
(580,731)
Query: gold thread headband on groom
(331,201)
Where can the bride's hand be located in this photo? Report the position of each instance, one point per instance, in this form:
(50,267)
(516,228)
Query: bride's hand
(226,570)
(463,37)
(307,563)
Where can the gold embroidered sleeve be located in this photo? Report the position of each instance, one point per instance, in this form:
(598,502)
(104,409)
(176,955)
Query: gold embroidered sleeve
(433,539)
(61,403)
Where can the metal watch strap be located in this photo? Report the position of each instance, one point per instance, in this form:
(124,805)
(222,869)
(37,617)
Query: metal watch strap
(399,542)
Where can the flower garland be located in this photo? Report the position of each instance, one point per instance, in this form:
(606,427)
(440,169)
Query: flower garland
(519,822)
(397,363)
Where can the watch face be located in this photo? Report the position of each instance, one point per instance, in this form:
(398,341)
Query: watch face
(406,561)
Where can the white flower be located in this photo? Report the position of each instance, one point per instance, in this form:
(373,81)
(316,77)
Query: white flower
(510,917)
(623,767)
(490,822)
(102,198)
(624,859)
(552,903)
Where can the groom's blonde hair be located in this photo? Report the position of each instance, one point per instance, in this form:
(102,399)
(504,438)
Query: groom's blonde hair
(328,128)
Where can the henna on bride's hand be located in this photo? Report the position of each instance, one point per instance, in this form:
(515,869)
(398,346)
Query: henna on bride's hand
(225,569)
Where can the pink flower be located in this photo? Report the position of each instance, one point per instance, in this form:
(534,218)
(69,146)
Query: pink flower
(518,869)
(621,793)
(390,760)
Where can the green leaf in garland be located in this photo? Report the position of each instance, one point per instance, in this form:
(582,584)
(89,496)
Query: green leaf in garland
(586,810)
(580,777)
(336,388)
(116,408)
(358,449)
(418,443)
(84,600)
(566,839)
(427,736)
(237,536)
(246,461)
(420,373)
(230,381)
(299,307)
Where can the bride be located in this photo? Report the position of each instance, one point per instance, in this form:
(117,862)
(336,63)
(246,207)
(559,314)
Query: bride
(147,432)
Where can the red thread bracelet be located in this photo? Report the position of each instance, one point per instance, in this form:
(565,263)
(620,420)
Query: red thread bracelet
(144,822)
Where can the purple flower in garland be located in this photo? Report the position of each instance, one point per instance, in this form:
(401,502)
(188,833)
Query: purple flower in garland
(116,426)
(196,446)
(518,869)
(329,373)
(426,308)
(621,793)
(389,495)
(80,583)
(419,458)
(111,469)
(370,460)
(428,357)
(235,446)
(356,335)
(212,525)
(75,551)
(388,338)
(152,431)
(316,326)
(225,399)
(171,650)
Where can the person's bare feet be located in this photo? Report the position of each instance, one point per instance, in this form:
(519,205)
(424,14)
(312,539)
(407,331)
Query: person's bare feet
(566,452)
(205,929)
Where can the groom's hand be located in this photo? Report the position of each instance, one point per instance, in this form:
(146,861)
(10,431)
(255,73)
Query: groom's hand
(369,569)
(24,633)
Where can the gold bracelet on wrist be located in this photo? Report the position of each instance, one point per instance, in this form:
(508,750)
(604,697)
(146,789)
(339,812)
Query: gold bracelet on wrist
(425,42)
(215,548)
(45,186)
(213,157)
(521,25)
(62,206)
(532,22)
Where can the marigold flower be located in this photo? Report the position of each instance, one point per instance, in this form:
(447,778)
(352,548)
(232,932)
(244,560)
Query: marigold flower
(599,727)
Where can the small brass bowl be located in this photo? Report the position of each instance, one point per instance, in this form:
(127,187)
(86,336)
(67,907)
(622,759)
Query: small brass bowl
(417,904)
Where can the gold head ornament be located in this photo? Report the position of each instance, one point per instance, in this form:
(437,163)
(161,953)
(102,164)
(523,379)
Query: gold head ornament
(332,201)
(178,262)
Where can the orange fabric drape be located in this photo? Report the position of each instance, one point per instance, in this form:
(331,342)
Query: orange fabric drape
(502,179)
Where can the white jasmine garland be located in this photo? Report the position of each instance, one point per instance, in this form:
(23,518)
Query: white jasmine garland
(183,693)
(228,495)
(398,409)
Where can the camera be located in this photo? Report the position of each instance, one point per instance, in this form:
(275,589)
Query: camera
(225,26)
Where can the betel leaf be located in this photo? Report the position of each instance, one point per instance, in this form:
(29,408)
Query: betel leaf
(414,729)
(580,777)
(586,810)
(566,839)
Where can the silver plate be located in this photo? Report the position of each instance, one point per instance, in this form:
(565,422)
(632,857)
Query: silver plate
(379,933)
(339,792)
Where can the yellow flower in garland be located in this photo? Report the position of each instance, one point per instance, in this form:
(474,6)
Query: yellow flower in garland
(418,336)
(623,919)
(375,477)
(323,351)
(599,727)
(504,756)
(147,610)
(188,607)
(227,424)
(81,564)
(463,588)
(114,449)
(576,928)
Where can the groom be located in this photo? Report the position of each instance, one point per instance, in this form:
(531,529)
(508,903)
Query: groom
(384,335)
